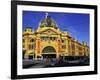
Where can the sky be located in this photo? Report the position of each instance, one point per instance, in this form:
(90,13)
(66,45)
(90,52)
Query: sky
(77,24)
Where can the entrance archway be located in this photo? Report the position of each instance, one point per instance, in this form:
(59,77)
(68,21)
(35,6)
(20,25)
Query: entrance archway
(49,52)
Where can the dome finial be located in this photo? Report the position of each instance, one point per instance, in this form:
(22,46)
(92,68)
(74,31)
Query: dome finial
(46,14)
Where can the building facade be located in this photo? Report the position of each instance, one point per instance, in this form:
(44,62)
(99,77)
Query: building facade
(50,41)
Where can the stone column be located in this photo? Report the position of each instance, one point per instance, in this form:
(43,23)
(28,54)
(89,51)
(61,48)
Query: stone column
(58,47)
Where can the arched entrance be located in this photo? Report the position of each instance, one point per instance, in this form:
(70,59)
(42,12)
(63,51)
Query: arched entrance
(49,52)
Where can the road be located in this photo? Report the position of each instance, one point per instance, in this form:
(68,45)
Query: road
(52,63)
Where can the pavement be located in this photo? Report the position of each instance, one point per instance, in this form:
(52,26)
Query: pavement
(53,63)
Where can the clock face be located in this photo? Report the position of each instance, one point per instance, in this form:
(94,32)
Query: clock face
(49,32)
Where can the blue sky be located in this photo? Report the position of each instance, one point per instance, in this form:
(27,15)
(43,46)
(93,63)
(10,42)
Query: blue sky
(77,24)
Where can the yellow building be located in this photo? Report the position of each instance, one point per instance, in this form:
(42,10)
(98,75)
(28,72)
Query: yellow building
(50,41)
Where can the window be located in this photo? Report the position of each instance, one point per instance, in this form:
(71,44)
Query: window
(80,48)
(62,41)
(64,46)
(32,40)
(51,38)
(80,53)
(31,46)
(73,46)
(48,38)
(54,38)
(73,53)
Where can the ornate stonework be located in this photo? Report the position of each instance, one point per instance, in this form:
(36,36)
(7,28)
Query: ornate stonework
(50,40)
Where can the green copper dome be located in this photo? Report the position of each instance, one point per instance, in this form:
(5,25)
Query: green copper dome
(48,22)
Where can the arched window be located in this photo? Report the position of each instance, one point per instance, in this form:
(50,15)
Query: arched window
(32,40)
(31,46)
